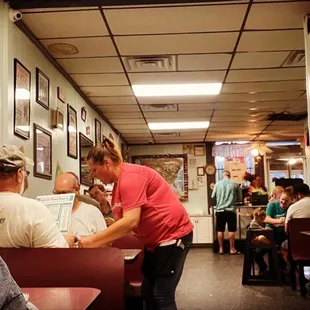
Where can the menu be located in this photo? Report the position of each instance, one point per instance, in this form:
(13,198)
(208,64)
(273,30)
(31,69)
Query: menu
(61,208)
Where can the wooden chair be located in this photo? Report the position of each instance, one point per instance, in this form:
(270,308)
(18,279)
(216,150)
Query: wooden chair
(299,250)
(248,275)
(101,268)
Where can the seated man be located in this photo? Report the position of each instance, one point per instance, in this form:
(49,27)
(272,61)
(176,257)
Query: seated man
(24,222)
(98,192)
(86,219)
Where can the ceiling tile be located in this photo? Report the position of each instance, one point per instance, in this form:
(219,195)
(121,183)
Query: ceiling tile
(66,24)
(177,44)
(259,60)
(177,19)
(107,91)
(266,75)
(288,15)
(176,77)
(91,65)
(116,121)
(177,100)
(138,127)
(80,47)
(260,96)
(229,137)
(195,106)
(100,79)
(263,86)
(135,115)
(271,40)
(135,130)
(235,118)
(233,112)
(203,62)
(119,108)
(85,8)
(137,135)
(179,114)
(117,100)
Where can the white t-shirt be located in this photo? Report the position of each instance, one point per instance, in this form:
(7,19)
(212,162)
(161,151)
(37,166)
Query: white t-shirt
(27,223)
(298,210)
(87,220)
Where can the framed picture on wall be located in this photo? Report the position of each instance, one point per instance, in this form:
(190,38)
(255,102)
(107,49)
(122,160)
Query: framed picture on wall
(42,89)
(201,171)
(60,94)
(85,174)
(199,150)
(83,114)
(22,91)
(97,131)
(42,152)
(71,133)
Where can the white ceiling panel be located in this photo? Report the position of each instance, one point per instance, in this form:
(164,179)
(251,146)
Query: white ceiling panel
(66,24)
(271,40)
(237,118)
(233,112)
(91,65)
(263,86)
(177,44)
(253,105)
(184,99)
(223,121)
(177,19)
(196,106)
(107,91)
(100,79)
(266,75)
(229,137)
(260,96)
(179,114)
(117,100)
(120,121)
(119,108)
(288,15)
(135,130)
(203,62)
(138,127)
(34,10)
(80,47)
(135,135)
(258,60)
(176,77)
(115,115)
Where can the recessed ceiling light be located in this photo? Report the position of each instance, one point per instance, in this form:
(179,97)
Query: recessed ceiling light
(253,109)
(158,90)
(252,92)
(179,125)
(252,120)
(252,101)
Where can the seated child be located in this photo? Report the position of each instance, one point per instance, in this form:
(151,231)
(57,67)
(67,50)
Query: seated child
(257,223)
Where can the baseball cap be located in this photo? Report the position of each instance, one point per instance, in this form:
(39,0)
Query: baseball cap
(12,158)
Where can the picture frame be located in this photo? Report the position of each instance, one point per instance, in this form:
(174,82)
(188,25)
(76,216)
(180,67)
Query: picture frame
(71,132)
(201,171)
(173,168)
(83,114)
(97,131)
(42,89)
(199,150)
(60,94)
(58,119)
(22,95)
(42,152)
(111,136)
(85,146)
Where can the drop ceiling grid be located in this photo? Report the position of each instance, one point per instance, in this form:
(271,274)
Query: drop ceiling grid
(203,48)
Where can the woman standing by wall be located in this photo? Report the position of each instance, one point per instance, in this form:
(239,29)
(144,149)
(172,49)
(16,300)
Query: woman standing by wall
(144,202)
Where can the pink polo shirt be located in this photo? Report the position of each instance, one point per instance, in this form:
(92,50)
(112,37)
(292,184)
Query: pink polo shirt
(163,217)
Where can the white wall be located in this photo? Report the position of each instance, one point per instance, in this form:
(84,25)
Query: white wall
(197,199)
(20,47)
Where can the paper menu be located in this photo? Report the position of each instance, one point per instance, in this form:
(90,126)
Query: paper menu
(61,208)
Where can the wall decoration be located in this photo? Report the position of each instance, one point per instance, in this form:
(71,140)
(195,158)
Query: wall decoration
(97,131)
(42,89)
(58,119)
(60,94)
(72,133)
(83,114)
(199,150)
(192,162)
(42,153)
(88,130)
(210,169)
(236,167)
(85,146)
(200,171)
(201,181)
(22,91)
(111,137)
(173,168)
(188,149)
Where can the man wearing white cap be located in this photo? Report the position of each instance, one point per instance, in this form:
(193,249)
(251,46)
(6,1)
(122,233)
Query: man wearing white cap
(24,222)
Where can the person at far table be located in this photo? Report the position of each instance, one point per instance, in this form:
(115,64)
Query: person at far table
(85,219)
(276,193)
(24,222)
(98,192)
(143,201)
(257,186)
(227,194)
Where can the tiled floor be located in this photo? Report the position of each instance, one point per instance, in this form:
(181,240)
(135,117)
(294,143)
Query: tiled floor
(212,282)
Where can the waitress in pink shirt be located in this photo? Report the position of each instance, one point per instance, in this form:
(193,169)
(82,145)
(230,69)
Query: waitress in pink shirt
(143,201)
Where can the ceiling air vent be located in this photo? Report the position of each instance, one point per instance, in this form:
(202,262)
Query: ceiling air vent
(294,59)
(287,116)
(150,63)
(167,134)
(159,107)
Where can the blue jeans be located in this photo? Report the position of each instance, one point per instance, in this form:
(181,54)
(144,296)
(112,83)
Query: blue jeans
(162,270)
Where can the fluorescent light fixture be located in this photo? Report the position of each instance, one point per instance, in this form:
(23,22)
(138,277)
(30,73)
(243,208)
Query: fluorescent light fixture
(179,125)
(159,90)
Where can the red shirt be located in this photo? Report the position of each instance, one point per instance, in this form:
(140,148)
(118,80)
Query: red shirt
(163,217)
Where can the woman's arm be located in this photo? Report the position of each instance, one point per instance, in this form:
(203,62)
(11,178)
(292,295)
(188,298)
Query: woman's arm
(272,221)
(119,229)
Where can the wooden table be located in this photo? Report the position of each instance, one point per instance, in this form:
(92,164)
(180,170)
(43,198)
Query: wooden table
(131,255)
(62,298)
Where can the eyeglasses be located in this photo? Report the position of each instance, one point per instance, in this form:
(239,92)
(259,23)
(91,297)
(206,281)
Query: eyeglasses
(56,192)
